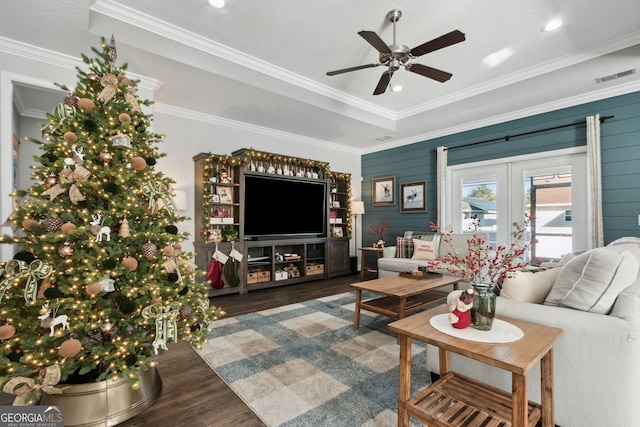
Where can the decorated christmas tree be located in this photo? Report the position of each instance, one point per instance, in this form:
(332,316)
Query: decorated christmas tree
(100,283)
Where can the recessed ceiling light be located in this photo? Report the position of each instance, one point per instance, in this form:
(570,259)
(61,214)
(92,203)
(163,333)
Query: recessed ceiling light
(217,3)
(397,88)
(552,25)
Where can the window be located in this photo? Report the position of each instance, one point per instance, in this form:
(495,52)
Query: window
(550,185)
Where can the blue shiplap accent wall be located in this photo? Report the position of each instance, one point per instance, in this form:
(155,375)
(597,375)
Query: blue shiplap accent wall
(620,142)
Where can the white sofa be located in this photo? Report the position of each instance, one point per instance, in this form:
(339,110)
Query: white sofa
(597,360)
(390,265)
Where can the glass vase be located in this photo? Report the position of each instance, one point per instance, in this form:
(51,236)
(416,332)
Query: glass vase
(484,307)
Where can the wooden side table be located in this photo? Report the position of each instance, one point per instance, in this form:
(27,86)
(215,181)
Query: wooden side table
(363,252)
(455,399)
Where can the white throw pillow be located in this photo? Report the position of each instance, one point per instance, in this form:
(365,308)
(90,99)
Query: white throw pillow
(592,280)
(529,286)
(424,250)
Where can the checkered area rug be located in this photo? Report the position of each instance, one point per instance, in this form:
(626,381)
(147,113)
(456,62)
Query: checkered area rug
(304,365)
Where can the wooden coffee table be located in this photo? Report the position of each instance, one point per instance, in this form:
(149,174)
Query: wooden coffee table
(454,399)
(402,295)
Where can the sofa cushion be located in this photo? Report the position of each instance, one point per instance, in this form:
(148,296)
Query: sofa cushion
(404,247)
(591,281)
(422,235)
(424,250)
(529,286)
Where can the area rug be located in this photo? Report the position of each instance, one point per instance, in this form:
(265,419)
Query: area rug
(304,365)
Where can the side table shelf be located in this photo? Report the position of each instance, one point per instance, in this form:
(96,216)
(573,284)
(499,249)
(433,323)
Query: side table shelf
(456,400)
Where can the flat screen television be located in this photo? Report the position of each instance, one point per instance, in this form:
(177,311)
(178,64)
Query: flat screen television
(284,207)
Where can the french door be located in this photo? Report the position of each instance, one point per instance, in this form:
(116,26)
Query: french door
(550,186)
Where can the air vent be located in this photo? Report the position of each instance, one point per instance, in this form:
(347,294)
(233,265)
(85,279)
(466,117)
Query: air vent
(615,76)
(384,138)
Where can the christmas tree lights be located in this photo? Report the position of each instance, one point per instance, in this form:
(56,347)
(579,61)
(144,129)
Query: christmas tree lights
(100,284)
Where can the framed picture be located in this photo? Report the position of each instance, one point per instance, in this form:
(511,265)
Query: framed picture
(225,194)
(384,191)
(215,198)
(413,196)
(336,232)
(335,204)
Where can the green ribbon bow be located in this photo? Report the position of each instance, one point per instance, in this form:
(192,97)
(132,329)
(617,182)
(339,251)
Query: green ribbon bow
(154,190)
(17,269)
(166,326)
(203,306)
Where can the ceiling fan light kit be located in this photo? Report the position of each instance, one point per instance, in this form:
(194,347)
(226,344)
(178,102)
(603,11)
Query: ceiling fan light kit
(396,55)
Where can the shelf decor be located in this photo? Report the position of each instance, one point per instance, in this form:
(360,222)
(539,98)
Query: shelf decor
(249,156)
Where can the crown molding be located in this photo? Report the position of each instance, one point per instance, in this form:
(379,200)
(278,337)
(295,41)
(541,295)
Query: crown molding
(180,35)
(57,59)
(248,127)
(593,96)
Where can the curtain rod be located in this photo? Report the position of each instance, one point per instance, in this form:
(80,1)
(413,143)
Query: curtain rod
(508,137)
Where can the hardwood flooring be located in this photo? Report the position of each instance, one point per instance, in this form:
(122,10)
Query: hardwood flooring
(192,394)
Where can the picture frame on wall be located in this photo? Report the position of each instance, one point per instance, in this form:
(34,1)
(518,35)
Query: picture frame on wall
(413,196)
(384,191)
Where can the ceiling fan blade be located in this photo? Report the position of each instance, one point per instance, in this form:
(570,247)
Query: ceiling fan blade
(432,73)
(383,82)
(375,41)
(453,37)
(346,70)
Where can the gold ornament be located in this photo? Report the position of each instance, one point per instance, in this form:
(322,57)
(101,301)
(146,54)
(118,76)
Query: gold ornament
(105,157)
(66,250)
(50,181)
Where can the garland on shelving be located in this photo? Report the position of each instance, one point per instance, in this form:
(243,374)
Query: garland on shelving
(260,156)
(346,177)
(213,165)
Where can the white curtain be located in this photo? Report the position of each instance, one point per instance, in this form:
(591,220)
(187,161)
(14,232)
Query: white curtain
(442,185)
(594,181)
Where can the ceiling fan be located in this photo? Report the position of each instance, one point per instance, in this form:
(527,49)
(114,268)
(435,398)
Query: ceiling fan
(396,55)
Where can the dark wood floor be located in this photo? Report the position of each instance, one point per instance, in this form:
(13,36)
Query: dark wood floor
(192,394)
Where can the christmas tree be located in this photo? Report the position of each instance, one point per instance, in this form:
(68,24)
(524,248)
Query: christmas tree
(100,284)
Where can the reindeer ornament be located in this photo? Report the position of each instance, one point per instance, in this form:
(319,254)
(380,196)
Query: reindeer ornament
(50,320)
(98,229)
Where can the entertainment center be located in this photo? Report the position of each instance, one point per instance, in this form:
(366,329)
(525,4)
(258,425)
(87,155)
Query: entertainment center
(287,219)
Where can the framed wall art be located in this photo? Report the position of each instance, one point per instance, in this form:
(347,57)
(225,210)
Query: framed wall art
(384,191)
(413,196)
